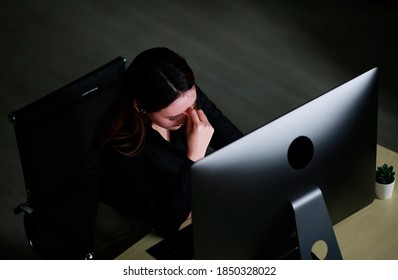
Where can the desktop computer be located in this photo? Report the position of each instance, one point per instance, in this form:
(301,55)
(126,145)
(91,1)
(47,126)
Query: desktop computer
(281,187)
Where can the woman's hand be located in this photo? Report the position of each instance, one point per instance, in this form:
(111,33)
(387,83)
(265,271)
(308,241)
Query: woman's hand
(199,133)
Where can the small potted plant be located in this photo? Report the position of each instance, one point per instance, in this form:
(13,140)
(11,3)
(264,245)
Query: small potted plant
(385,180)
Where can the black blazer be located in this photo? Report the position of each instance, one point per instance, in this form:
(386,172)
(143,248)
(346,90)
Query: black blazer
(154,185)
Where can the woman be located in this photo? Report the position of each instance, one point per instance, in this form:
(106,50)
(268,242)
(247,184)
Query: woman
(163,124)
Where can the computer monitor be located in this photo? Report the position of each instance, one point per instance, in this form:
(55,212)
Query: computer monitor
(316,162)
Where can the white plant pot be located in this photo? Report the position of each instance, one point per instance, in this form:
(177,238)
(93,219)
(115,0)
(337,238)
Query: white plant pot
(384,191)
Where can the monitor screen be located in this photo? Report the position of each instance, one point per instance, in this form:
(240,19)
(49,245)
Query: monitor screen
(242,194)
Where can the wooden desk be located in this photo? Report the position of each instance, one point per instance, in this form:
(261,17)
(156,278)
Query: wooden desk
(138,250)
(371,233)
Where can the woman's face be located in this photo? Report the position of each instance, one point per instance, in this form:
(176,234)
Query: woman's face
(174,116)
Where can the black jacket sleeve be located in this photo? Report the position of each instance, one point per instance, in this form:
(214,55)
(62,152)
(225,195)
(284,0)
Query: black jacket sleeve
(155,185)
(173,208)
(225,132)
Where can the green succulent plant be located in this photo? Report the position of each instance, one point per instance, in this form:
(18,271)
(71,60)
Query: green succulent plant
(385,174)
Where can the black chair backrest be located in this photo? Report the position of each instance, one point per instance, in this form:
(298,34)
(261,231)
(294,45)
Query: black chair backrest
(54,135)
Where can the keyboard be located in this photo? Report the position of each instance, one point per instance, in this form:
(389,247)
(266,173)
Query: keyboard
(177,247)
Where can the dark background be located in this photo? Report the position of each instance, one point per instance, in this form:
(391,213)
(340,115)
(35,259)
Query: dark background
(255,60)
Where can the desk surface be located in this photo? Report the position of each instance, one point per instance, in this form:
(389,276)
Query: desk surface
(371,233)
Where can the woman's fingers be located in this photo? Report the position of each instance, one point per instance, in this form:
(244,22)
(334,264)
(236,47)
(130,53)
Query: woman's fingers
(199,134)
(201,116)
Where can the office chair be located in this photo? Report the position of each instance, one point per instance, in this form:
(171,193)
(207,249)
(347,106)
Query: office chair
(54,135)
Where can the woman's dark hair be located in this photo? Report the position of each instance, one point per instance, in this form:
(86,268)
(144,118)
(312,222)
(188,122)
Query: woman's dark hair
(157,77)
(154,79)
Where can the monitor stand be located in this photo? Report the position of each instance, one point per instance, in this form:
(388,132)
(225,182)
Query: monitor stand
(313,224)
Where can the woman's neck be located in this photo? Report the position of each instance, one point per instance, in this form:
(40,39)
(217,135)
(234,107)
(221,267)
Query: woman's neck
(165,133)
